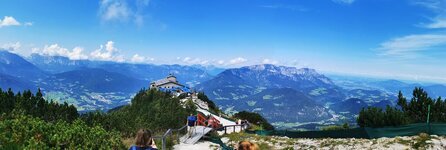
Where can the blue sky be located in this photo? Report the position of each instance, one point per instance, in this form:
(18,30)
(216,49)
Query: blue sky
(395,39)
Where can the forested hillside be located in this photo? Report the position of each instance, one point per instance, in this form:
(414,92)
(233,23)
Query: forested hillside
(420,108)
(29,122)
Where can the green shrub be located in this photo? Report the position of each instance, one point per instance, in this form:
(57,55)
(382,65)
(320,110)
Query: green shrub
(212,107)
(26,132)
(413,111)
(332,128)
(420,141)
(254,118)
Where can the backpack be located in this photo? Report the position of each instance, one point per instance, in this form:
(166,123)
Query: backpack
(142,148)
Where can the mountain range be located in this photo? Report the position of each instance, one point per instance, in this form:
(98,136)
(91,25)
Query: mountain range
(88,84)
(281,94)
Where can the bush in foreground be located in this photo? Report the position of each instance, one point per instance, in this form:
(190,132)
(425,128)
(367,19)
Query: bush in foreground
(26,132)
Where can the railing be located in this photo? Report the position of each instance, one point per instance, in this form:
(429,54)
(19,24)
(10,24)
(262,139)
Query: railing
(169,132)
(201,120)
(242,127)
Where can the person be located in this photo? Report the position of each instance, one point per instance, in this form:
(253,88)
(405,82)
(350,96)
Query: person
(211,122)
(247,145)
(144,141)
(191,123)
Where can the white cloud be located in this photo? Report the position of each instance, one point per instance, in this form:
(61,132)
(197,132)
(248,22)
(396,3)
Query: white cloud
(9,21)
(121,10)
(434,5)
(220,62)
(413,46)
(237,61)
(189,60)
(344,1)
(137,58)
(13,47)
(77,53)
(269,61)
(437,23)
(409,45)
(114,10)
(55,50)
(140,59)
(438,7)
(107,53)
(29,24)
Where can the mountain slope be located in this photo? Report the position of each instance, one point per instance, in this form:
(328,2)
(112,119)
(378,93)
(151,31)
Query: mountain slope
(16,84)
(352,105)
(189,75)
(284,105)
(14,65)
(250,80)
(281,94)
(57,64)
(149,72)
(97,80)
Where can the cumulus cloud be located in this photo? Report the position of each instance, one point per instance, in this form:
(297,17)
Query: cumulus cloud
(410,44)
(221,62)
(189,60)
(121,10)
(140,59)
(237,61)
(344,1)
(9,21)
(107,53)
(13,47)
(76,53)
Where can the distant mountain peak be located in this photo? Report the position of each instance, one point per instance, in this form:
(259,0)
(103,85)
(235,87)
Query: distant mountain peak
(289,71)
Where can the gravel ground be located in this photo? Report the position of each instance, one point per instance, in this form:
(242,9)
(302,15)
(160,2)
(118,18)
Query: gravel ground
(422,141)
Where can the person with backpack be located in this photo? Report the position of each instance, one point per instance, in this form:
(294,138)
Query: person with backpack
(144,141)
(191,123)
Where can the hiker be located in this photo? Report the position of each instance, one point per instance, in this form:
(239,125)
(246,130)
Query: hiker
(211,122)
(191,123)
(144,141)
(247,145)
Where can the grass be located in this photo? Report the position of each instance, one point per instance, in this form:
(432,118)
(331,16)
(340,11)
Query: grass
(264,146)
(402,142)
(332,143)
(420,141)
(128,141)
(288,148)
